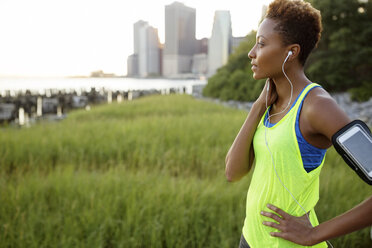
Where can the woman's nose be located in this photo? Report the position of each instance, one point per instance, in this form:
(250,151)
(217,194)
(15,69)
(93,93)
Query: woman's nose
(251,54)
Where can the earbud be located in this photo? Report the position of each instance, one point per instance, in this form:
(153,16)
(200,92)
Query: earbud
(289,54)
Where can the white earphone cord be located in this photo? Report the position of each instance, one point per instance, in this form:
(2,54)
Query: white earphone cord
(267,145)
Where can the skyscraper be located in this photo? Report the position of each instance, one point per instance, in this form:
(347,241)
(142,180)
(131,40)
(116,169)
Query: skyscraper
(180,42)
(146,58)
(132,61)
(136,30)
(153,56)
(220,43)
(132,65)
(142,50)
(200,58)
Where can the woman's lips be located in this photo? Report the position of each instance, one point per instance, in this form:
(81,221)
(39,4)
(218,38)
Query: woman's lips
(253,67)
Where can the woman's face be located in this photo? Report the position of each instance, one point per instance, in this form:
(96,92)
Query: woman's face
(268,54)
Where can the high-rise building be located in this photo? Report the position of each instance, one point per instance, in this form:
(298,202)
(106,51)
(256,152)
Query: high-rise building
(236,42)
(179,46)
(200,58)
(202,46)
(154,52)
(220,43)
(136,30)
(132,65)
(146,58)
(142,50)
(200,64)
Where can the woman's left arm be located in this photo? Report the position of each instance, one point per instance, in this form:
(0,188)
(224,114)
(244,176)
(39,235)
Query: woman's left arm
(322,114)
(300,231)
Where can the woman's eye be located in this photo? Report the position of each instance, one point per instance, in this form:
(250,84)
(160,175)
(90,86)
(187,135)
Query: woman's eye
(260,44)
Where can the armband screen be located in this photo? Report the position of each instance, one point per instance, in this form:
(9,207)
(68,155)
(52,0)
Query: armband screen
(354,143)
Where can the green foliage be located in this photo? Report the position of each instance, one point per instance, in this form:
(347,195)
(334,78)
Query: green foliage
(362,93)
(146,173)
(343,59)
(234,81)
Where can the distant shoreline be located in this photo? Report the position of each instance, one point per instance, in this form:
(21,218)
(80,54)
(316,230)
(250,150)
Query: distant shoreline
(146,78)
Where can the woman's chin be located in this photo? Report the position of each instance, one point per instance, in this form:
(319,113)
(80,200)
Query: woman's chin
(257,76)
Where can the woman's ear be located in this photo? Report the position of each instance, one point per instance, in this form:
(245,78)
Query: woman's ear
(295,49)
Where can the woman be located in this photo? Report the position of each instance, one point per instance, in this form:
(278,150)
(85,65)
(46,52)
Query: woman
(288,140)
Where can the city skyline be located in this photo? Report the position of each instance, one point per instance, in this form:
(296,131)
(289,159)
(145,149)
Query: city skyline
(181,55)
(50,38)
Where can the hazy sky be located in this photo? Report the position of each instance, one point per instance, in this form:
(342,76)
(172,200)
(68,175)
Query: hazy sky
(76,37)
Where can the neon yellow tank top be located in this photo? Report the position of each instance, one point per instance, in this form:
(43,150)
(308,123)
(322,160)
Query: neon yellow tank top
(266,188)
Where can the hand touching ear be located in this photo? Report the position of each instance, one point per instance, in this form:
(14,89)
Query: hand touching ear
(268,95)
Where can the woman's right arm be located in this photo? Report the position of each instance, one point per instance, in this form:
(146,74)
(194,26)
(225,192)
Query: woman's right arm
(240,156)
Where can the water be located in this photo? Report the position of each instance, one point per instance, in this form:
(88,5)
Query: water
(85,84)
(44,86)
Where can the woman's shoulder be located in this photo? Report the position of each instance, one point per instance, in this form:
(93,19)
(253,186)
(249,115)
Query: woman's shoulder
(318,98)
(323,113)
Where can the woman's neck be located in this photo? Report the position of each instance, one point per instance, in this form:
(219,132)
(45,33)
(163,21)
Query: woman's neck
(283,87)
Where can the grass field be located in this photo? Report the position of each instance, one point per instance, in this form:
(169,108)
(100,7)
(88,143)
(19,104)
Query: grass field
(146,173)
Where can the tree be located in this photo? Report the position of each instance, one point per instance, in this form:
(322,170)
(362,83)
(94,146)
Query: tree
(343,59)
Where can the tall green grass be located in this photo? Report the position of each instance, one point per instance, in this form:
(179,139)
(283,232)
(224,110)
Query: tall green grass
(146,173)
(178,134)
(117,208)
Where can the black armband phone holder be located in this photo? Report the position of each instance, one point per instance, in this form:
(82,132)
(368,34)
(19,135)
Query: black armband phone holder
(354,143)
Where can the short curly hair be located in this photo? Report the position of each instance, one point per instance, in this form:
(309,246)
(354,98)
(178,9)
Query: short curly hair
(298,23)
